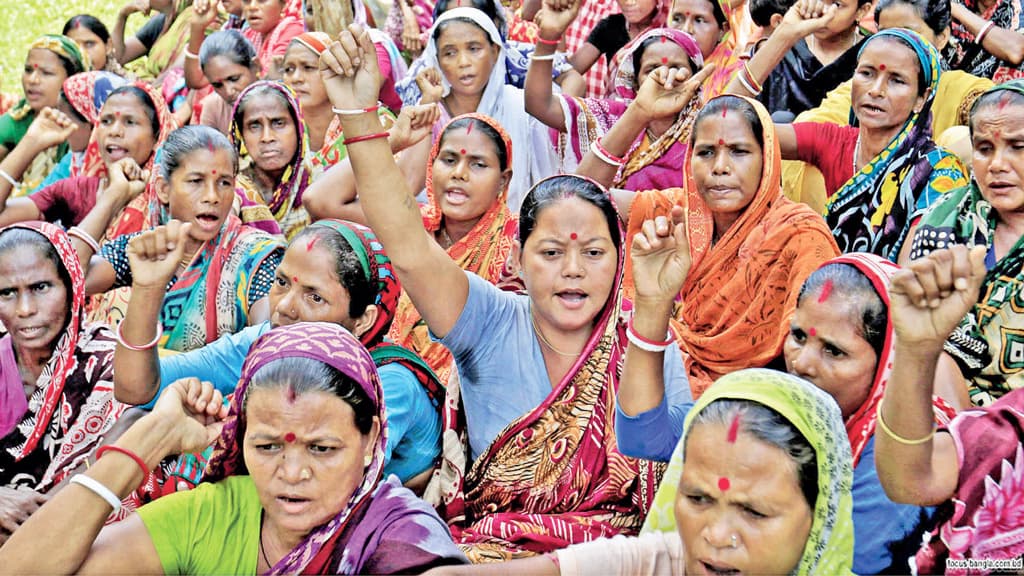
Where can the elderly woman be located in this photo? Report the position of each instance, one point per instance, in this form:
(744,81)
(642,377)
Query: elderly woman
(56,370)
(295,484)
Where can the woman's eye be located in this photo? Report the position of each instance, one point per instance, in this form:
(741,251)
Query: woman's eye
(6,293)
(289,69)
(698,499)
(798,334)
(268,447)
(320,449)
(833,351)
(316,298)
(279,281)
(753,513)
(550,253)
(595,253)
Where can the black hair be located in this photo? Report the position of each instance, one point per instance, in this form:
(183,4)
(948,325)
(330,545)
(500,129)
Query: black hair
(638,58)
(850,285)
(148,106)
(488,130)
(769,427)
(183,141)
(347,267)
(230,44)
(995,97)
(720,105)
(302,375)
(90,23)
(22,238)
(922,86)
(935,13)
(720,18)
(70,108)
(761,11)
(555,189)
(265,88)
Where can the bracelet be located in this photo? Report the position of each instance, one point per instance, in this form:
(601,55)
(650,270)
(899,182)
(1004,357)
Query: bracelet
(749,81)
(888,431)
(547,42)
(9,178)
(144,347)
(646,343)
(604,155)
(355,111)
(980,36)
(548,57)
(76,232)
(747,85)
(365,137)
(191,55)
(98,489)
(138,460)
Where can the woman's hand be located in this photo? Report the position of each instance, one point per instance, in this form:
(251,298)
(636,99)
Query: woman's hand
(555,17)
(197,411)
(125,181)
(155,255)
(807,17)
(932,295)
(410,29)
(50,128)
(135,6)
(666,91)
(661,258)
(349,70)
(429,83)
(16,505)
(414,123)
(204,12)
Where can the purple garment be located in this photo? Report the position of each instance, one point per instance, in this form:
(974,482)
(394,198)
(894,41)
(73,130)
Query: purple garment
(13,403)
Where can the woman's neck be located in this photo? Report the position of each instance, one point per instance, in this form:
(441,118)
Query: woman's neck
(31,362)
(451,232)
(560,349)
(872,142)
(635,29)
(275,544)
(318,120)
(723,222)
(458,105)
(657,128)
(828,50)
(266,182)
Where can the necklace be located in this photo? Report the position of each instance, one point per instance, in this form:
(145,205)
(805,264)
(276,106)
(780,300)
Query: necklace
(544,340)
(856,155)
(263,552)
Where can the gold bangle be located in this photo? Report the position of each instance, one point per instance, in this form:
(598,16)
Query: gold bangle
(895,436)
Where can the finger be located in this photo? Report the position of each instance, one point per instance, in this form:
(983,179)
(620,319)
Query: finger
(699,78)
(977,256)
(213,409)
(682,74)
(960,264)
(147,246)
(329,62)
(650,232)
(640,246)
(924,270)
(905,282)
(661,226)
(367,50)
(348,40)
(945,260)
(678,215)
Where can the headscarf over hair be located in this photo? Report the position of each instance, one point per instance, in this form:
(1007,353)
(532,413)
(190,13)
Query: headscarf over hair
(483,251)
(829,547)
(860,427)
(66,49)
(336,347)
(318,42)
(873,210)
(88,91)
(625,76)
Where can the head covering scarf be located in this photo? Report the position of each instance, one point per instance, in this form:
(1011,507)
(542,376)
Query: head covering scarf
(829,547)
(860,426)
(531,491)
(65,48)
(725,320)
(727,54)
(87,92)
(535,156)
(975,59)
(378,512)
(981,344)
(72,405)
(873,211)
(483,251)
(286,202)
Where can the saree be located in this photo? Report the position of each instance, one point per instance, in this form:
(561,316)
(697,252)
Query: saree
(170,46)
(982,519)
(483,251)
(651,163)
(734,308)
(829,547)
(285,202)
(972,57)
(874,210)
(72,406)
(727,55)
(553,476)
(380,528)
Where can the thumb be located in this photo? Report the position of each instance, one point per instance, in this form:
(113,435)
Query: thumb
(977,255)
(682,242)
(362,36)
(183,232)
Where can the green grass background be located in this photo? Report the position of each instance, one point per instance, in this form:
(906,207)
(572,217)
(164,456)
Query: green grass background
(21,21)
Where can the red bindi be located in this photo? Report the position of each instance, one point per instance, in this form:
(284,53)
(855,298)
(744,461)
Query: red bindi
(721,142)
(812,332)
(214,172)
(290,437)
(462,151)
(826,291)
(664,60)
(881,67)
(723,484)
(118,114)
(295,279)
(573,236)
(310,245)
(663,39)
(734,429)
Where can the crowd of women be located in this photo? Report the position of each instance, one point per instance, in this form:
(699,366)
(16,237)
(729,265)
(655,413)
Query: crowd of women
(539,287)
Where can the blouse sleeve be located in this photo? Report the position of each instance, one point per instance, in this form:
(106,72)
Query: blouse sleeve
(116,253)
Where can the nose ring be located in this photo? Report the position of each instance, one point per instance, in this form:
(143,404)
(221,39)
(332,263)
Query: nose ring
(733,541)
(306,474)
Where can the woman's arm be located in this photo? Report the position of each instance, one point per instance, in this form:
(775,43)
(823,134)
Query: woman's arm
(435,284)
(1004,44)
(127,50)
(929,298)
(541,102)
(50,128)
(187,418)
(584,57)
(204,12)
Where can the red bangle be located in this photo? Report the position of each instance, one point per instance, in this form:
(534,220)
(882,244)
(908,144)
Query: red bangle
(646,340)
(547,42)
(110,448)
(603,150)
(365,137)
(355,111)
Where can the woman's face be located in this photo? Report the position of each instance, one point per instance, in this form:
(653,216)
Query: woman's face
(466,56)
(697,18)
(42,78)
(885,85)
(637,11)
(726,164)
(302,74)
(309,480)
(665,53)
(306,288)
(228,78)
(998,161)
(568,265)
(467,177)
(262,15)
(270,134)
(748,489)
(92,45)
(33,299)
(201,191)
(848,13)
(900,15)
(825,346)
(124,130)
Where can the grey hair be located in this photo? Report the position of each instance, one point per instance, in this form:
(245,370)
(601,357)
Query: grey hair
(188,139)
(231,45)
